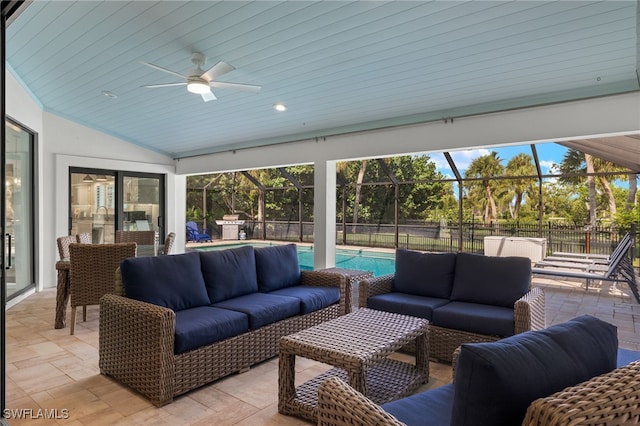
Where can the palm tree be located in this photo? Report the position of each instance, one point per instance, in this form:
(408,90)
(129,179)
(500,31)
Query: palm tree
(576,162)
(520,165)
(483,169)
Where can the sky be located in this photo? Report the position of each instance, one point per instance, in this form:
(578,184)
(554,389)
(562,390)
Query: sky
(548,154)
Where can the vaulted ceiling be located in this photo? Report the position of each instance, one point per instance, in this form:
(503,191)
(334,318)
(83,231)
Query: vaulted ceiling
(338,66)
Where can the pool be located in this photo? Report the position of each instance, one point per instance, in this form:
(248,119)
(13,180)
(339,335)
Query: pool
(366,260)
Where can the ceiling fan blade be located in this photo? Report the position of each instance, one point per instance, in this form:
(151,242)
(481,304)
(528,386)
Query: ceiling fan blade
(151,86)
(159,68)
(208,96)
(217,70)
(236,86)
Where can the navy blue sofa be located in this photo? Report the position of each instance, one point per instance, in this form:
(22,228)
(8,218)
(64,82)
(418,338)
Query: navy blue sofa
(466,297)
(494,382)
(178,322)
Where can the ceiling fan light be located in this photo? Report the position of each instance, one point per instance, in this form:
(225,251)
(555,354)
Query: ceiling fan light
(101,178)
(198,87)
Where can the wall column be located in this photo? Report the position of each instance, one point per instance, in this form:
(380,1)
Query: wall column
(324,214)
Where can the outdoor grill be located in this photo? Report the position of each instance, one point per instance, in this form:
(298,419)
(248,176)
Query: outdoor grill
(230,226)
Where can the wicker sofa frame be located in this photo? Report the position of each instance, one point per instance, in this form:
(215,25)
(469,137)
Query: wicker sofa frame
(609,399)
(528,313)
(136,343)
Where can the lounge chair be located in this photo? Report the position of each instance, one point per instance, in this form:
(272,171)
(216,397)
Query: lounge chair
(194,235)
(618,268)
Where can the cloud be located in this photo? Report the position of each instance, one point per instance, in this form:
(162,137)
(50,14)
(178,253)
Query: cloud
(548,165)
(463,159)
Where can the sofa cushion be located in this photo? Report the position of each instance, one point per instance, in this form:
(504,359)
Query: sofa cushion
(429,408)
(174,282)
(204,325)
(475,318)
(312,298)
(406,304)
(496,382)
(491,280)
(424,274)
(277,267)
(229,273)
(262,308)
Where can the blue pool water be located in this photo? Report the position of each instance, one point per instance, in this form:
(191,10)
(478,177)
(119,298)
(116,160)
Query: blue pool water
(366,260)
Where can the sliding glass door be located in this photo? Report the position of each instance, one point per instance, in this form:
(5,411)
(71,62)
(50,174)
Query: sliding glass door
(105,201)
(19,222)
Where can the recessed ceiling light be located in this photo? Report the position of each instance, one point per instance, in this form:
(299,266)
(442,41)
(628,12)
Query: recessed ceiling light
(280,107)
(109,94)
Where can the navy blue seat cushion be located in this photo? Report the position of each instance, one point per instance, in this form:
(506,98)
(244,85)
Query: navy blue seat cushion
(262,308)
(626,356)
(277,267)
(312,298)
(476,318)
(429,408)
(491,280)
(174,282)
(204,325)
(496,382)
(424,274)
(406,304)
(229,273)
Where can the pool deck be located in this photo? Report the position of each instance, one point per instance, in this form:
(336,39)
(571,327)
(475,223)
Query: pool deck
(48,369)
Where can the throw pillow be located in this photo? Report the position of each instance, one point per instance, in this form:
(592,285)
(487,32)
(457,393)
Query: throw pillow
(174,282)
(277,267)
(424,274)
(490,280)
(229,273)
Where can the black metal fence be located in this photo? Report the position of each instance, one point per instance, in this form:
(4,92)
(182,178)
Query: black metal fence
(443,237)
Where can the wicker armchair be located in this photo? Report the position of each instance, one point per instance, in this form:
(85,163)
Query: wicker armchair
(63,246)
(92,269)
(609,399)
(146,241)
(83,238)
(168,243)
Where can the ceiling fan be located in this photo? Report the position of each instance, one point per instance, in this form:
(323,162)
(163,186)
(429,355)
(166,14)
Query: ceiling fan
(201,82)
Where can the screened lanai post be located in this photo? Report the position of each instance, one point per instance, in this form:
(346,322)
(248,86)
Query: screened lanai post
(324,214)
(456,173)
(396,209)
(263,192)
(298,186)
(539,172)
(343,185)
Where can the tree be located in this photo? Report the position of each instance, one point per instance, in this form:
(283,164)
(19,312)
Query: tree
(575,162)
(483,169)
(520,165)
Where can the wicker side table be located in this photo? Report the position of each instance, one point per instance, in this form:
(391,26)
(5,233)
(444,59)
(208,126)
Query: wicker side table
(354,276)
(357,344)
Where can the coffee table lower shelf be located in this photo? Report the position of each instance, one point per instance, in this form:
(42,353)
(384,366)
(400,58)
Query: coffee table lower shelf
(387,380)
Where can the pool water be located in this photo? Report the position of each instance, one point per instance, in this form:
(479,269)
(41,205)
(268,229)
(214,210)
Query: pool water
(365,260)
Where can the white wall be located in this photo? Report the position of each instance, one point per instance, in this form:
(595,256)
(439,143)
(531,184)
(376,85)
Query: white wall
(63,144)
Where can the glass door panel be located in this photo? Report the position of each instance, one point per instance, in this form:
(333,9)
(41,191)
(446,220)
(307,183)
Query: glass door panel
(18,210)
(92,205)
(142,207)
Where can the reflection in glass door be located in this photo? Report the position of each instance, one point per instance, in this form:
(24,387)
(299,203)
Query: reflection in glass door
(93,204)
(143,203)
(19,245)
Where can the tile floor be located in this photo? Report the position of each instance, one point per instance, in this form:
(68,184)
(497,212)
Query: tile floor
(50,370)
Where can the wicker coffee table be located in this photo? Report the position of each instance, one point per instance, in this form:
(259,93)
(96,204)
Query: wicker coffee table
(357,345)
